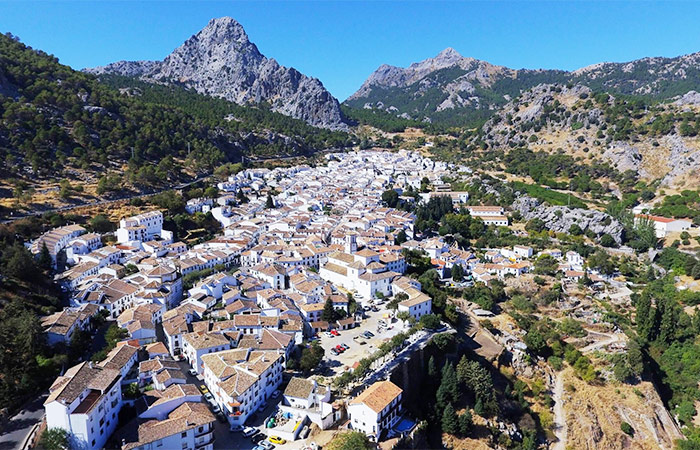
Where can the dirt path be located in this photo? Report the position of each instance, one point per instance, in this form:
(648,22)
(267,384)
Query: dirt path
(608,338)
(560,430)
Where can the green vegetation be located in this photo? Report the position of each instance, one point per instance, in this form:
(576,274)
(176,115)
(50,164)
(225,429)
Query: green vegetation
(54,439)
(547,195)
(63,119)
(350,440)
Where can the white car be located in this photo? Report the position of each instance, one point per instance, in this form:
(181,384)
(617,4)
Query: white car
(249,431)
(192,372)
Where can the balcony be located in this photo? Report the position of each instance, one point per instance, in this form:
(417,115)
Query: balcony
(203,434)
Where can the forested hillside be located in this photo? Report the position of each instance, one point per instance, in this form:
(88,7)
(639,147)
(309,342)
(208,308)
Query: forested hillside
(57,122)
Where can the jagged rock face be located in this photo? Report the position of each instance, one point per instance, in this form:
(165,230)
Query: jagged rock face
(560,218)
(392,76)
(689,98)
(221,61)
(126,68)
(624,157)
(454,89)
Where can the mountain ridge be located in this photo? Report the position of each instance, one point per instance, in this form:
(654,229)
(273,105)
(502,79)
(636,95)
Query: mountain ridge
(221,61)
(471,87)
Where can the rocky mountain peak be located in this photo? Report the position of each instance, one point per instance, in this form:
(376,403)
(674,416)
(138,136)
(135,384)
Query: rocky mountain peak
(448,55)
(222,30)
(221,61)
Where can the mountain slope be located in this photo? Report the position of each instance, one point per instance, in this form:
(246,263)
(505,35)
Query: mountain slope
(455,90)
(221,61)
(655,141)
(57,123)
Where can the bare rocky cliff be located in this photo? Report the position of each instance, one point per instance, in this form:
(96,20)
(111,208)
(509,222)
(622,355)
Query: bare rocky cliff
(221,61)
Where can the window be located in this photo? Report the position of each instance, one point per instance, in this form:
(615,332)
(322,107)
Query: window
(184,434)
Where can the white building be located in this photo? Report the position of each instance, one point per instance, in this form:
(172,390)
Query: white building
(665,225)
(242,379)
(304,397)
(195,345)
(85,402)
(142,227)
(376,409)
(189,426)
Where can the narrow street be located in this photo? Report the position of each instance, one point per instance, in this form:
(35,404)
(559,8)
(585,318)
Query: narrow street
(19,426)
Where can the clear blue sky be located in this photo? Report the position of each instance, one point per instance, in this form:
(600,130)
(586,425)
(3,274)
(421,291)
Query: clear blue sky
(341,43)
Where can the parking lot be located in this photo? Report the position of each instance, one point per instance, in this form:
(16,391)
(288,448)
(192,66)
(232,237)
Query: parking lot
(338,364)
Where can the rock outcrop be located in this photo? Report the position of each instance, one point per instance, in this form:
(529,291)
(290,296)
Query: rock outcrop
(221,61)
(561,218)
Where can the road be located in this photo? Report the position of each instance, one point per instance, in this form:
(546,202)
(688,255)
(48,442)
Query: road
(560,428)
(19,426)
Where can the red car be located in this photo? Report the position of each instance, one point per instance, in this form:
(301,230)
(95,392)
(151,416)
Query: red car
(335,333)
(339,348)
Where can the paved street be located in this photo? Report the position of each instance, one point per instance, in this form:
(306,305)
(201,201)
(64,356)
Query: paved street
(20,425)
(356,352)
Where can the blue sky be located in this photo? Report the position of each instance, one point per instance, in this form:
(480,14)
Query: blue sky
(341,43)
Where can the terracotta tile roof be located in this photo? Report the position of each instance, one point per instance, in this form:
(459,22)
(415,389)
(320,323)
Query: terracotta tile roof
(378,396)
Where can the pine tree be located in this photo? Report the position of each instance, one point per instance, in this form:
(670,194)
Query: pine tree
(465,423)
(457,272)
(448,392)
(270,202)
(432,368)
(645,317)
(329,314)
(450,423)
(45,260)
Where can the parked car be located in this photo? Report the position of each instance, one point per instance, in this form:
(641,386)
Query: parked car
(339,348)
(237,428)
(345,346)
(262,406)
(277,440)
(203,388)
(267,445)
(276,394)
(192,372)
(249,431)
(215,409)
(257,438)
(208,397)
(335,333)
(369,334)
(334,352)
(366,308)
(328,334)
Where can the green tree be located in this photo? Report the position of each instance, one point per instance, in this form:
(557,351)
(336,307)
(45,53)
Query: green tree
(329,313)
(54,439)
(546,265)
(101,224)
(350,440)
(466,423)
(457,272)
(430,321)
(448,392)
(450,422)
(311,357)
(390,198)
(270,202)
(45,260)
(400,237)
